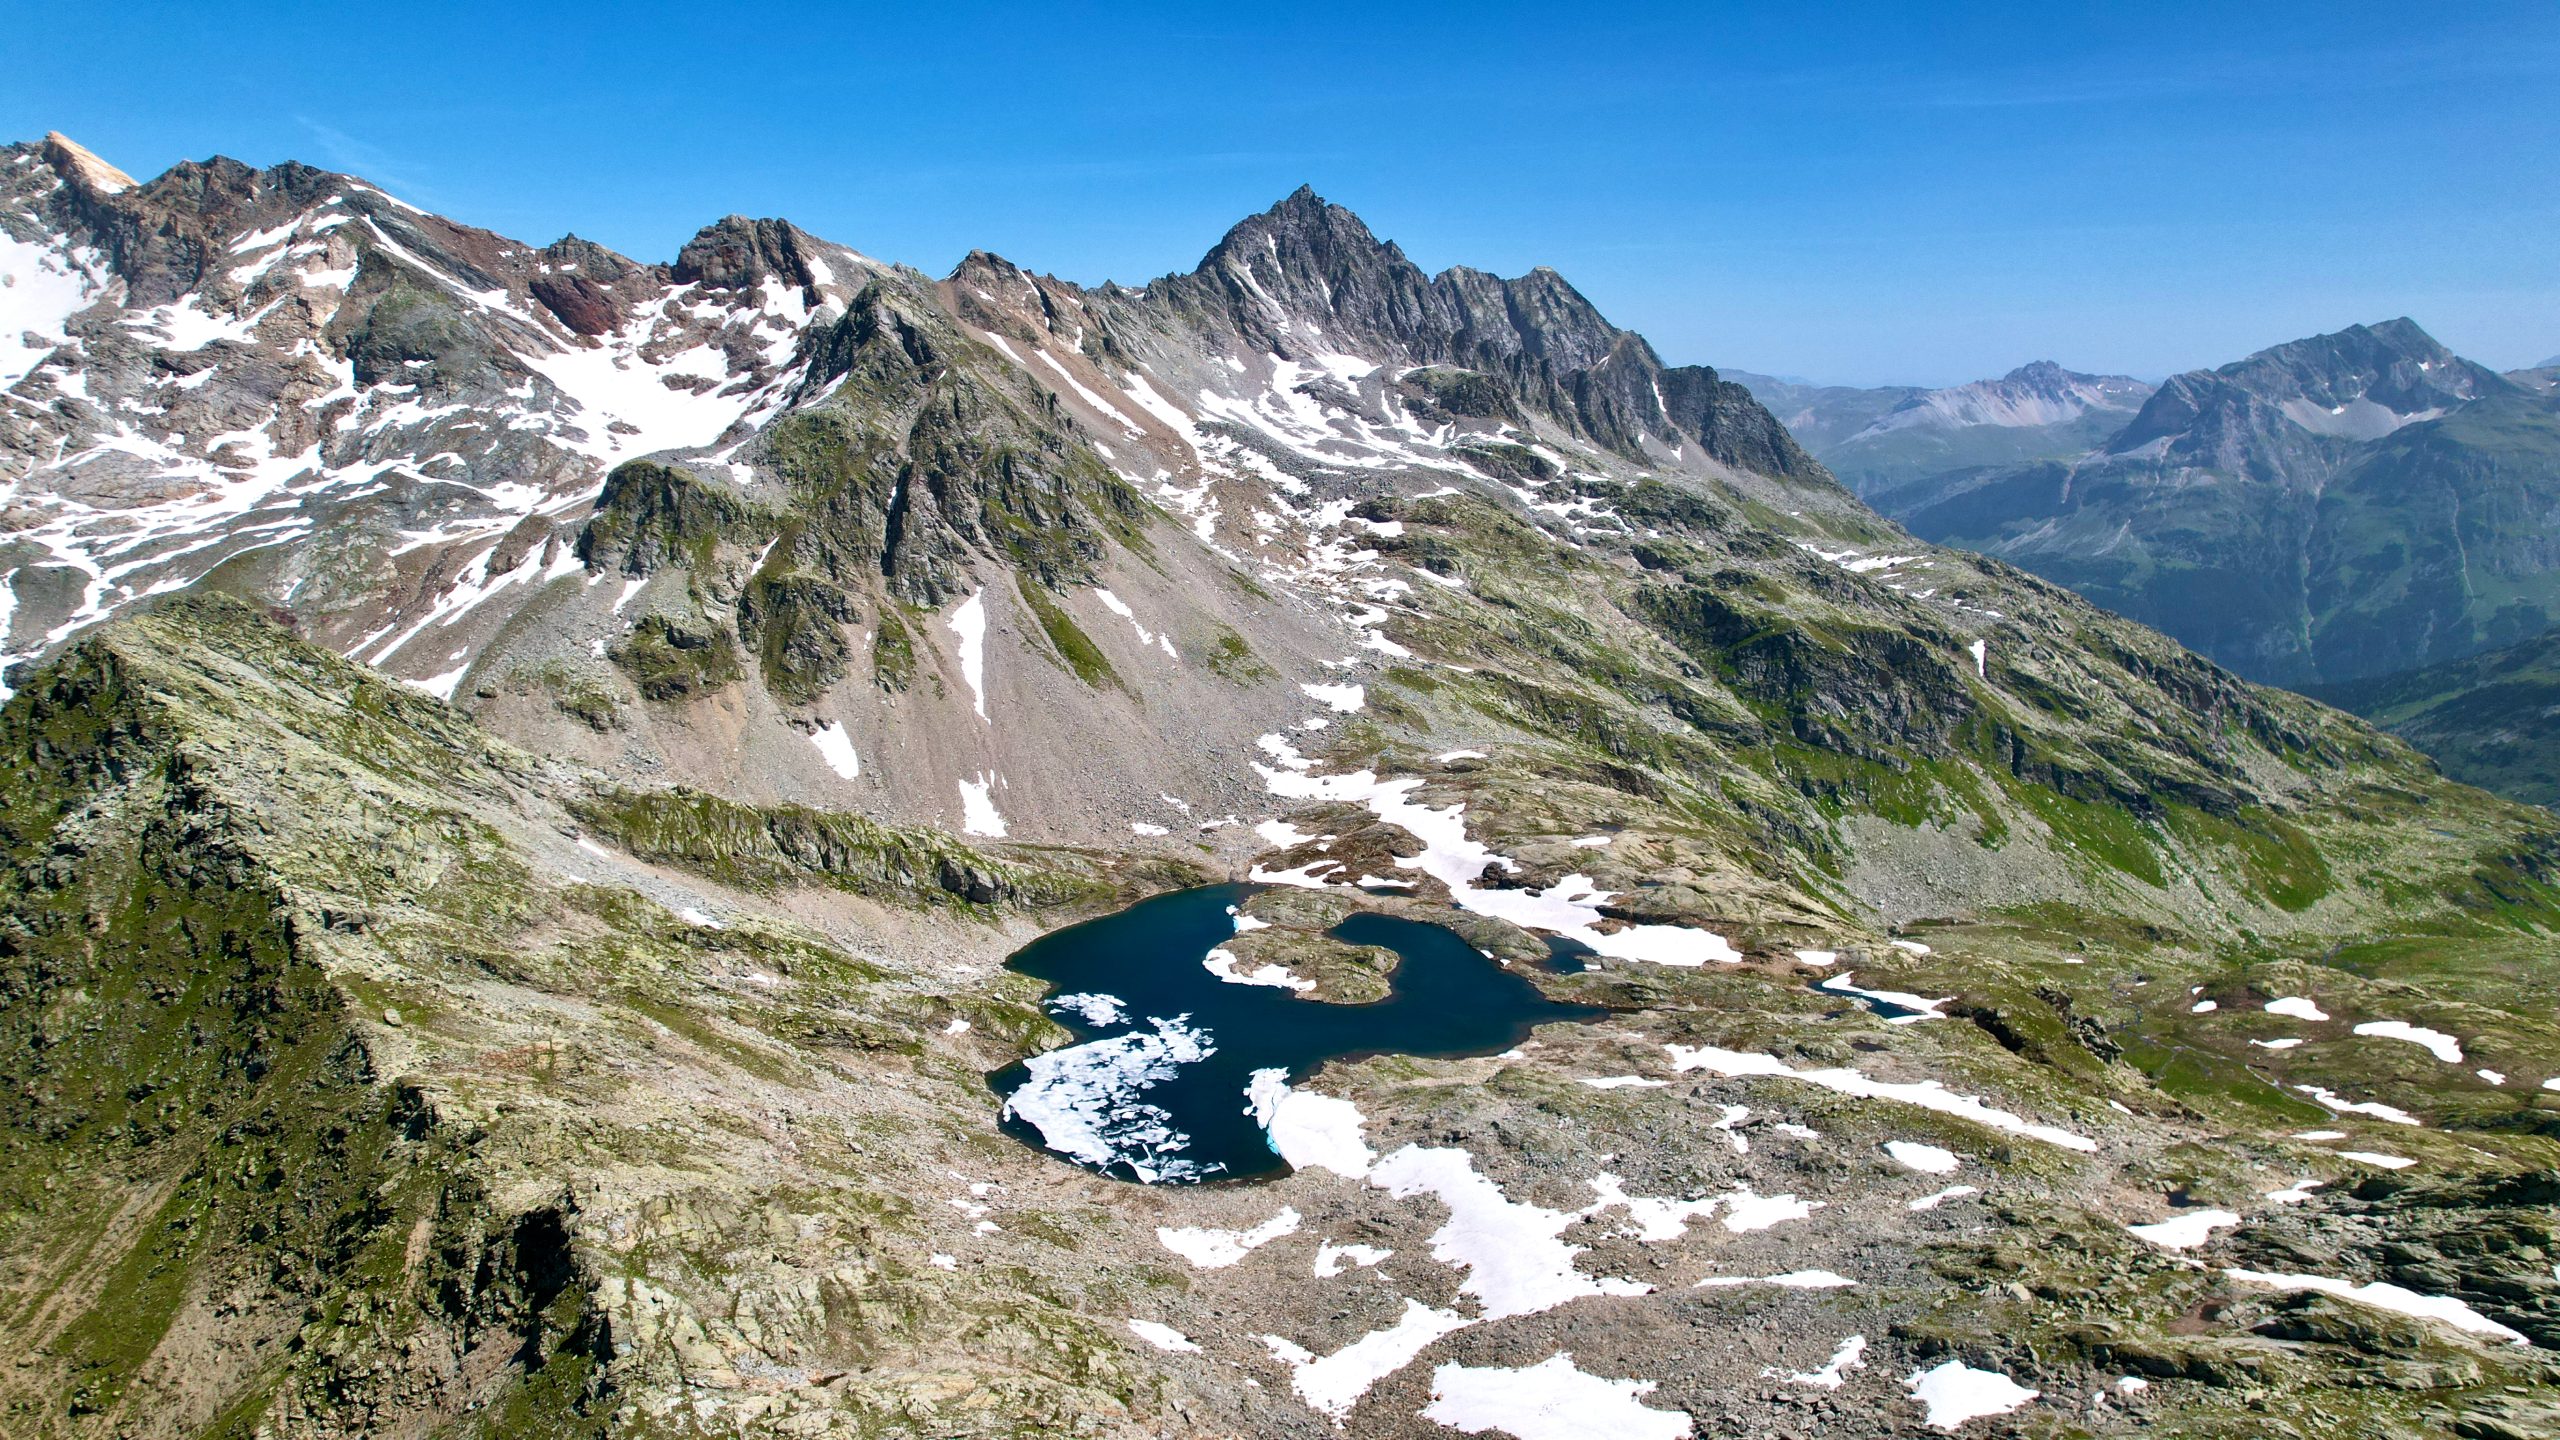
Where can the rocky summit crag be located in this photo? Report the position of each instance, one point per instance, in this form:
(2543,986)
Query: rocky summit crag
(524,767)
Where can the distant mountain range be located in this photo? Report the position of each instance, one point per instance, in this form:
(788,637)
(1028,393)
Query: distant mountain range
(2330,509)
(1877,437)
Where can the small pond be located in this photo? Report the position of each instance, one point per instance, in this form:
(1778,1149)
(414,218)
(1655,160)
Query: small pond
(1155,1088)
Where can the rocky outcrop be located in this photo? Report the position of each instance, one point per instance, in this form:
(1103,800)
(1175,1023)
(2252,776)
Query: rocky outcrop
(1308,262)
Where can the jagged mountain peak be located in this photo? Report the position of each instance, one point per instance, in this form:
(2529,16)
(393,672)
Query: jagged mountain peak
(739,253)
(2359,383)
(78,163)
(1308,264)
(1309,282)
(1306,217)
(2044,372)
(2377,344)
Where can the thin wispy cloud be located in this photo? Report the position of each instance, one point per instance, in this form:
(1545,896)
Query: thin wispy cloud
(342,151)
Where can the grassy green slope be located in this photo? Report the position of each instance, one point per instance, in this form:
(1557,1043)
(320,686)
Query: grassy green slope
(316,1062)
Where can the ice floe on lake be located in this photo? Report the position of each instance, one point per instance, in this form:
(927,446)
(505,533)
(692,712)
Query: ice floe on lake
(1097,1009)
(1084,1100)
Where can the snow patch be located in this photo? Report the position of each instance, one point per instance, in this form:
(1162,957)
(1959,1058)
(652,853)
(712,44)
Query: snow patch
(1345,699)
(1222,963)
(1308,1130)
(1333,1384)
(978,815)
(1792,1280)
(1164,1337)
(1927,1159)
(1331,1258)
(1515,1262)
(969,623)
(1920,1006)
(2185,1232)
(2437,1043)
(836,748)
(1955,1392)
(1551,1400)
(1217,1249)
(2382,1295)
(1851,1355)
(2343,1106)
(1927,1094)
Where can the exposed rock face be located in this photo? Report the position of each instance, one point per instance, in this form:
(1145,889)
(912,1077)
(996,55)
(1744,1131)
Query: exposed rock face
(76,164)
(1307,262)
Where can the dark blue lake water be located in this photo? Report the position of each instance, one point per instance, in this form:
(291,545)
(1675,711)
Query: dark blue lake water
(1155,1088)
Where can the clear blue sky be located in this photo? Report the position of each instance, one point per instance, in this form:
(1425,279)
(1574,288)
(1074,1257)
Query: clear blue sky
(1875,192)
